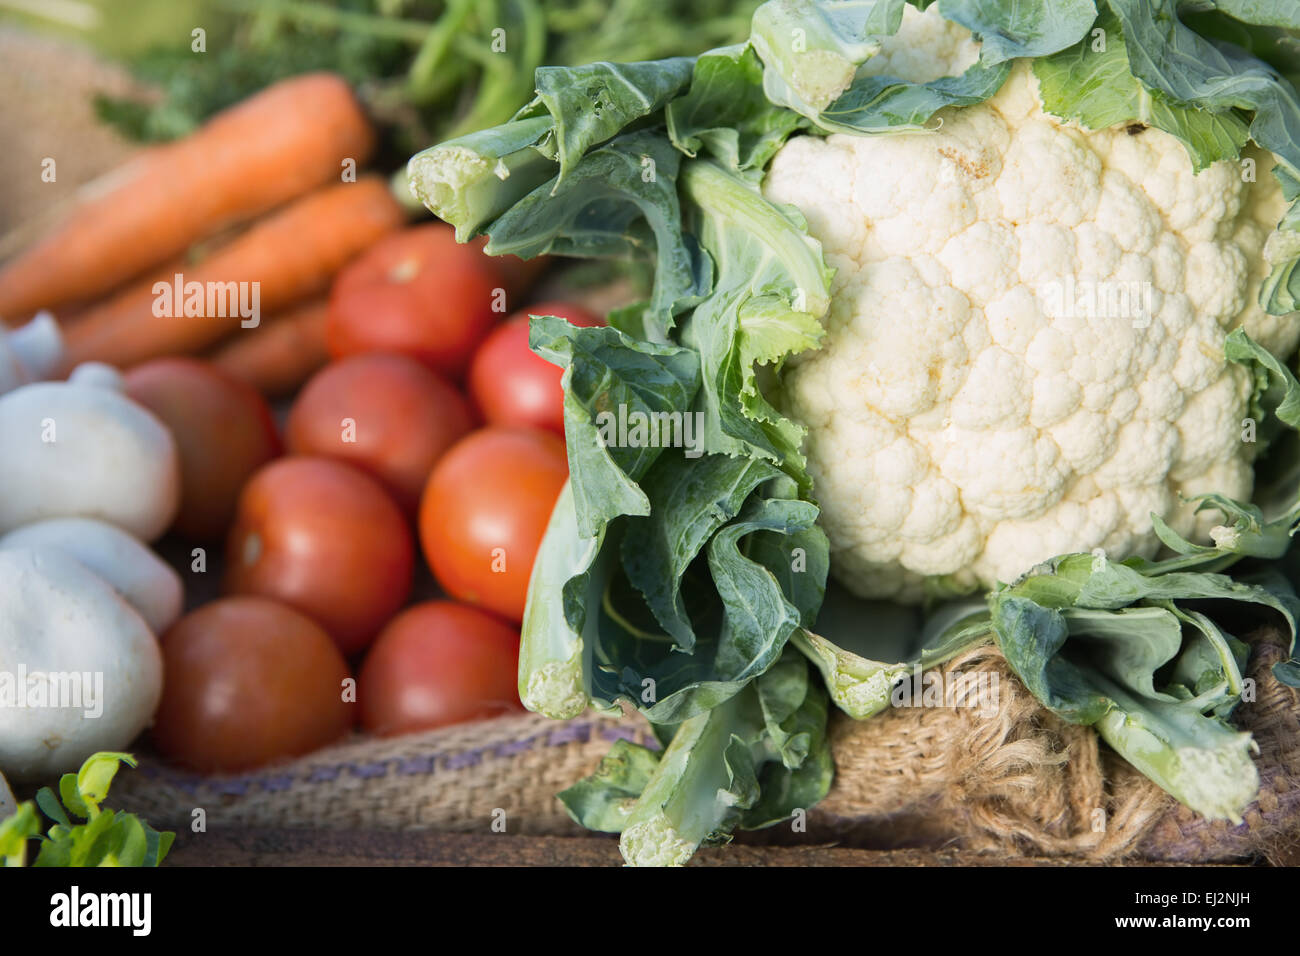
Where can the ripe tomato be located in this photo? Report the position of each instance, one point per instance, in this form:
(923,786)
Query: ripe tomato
(326,539)
(387,414)
(245,681)
(223,430)
(484,513)
(438,663)
(510,383)
(417,292)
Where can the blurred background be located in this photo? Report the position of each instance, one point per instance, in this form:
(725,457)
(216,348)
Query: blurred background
(368,312)
(104,75)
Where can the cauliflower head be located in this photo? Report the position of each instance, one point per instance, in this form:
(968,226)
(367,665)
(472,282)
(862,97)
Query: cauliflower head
(1024,354)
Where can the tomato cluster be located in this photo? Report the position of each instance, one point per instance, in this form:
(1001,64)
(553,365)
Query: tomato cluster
(434,429)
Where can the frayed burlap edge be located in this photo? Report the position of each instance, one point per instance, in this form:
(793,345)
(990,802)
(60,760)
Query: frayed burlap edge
(1016,779)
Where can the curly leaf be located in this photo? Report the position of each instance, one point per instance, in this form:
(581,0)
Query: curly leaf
(591,103)
(751,761)
(771,288)
(605,800)
(1092,84)
(658,550)
(619,200)
(1026,28)
(726,114)
(608,380)
(1114,646)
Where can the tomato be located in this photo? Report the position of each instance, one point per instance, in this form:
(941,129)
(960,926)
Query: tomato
(387,414)
(514,386)
(417,292)
(324,538)
(246,681)
(438,663)
(484,513)
(223,431)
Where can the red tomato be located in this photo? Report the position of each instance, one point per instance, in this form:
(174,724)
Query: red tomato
(514,386)
(484,513)
(417,292)
(247,681)
(326,539)
(387,414)
(438,663)
(223,431)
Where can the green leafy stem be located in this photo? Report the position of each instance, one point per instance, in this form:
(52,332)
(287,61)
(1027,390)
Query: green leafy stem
(82,833)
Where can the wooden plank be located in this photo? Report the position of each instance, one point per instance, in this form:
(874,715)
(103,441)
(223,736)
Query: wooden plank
(286,847)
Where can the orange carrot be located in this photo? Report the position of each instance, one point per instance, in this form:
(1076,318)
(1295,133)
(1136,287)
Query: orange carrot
(273,147)
(279,358)
(280,261)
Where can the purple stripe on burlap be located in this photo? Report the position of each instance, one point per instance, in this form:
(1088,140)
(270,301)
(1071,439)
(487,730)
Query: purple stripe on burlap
(572,732)
(187,782)
(510,748)
(233,787)
(631,735)
(468,758)
(413,766)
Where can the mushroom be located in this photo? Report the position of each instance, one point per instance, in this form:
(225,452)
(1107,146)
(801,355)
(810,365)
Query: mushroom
(82,448)
(148,583)
(30,352)
(80,671)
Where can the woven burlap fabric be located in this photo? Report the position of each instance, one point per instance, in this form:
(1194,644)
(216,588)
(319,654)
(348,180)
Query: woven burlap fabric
(1019,780)
(468,778)
(1011,779)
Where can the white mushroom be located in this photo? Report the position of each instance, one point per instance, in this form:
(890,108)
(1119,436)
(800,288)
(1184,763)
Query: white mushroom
(148,583)
(30,352)
(82,448)
(80,670)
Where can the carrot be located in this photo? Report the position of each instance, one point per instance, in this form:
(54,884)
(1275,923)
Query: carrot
(272,147)
(281,260)
(277,359)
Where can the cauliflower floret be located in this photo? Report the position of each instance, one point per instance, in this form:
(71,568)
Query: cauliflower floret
(1024,354)
(926,47)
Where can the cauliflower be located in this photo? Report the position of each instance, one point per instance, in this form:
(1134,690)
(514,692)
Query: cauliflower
(1025,347)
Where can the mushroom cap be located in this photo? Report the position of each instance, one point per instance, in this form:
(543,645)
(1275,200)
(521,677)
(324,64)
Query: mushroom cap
(67,638)
(149,584)
(78,449)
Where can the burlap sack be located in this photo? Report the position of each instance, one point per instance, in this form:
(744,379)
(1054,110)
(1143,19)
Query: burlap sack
(1020,780)
(1013,780)
(460,779)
